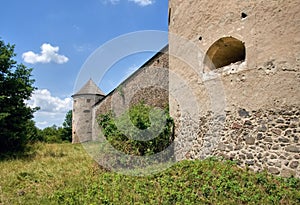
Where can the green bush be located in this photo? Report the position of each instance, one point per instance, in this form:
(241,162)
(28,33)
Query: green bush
(51,134)
(129,132)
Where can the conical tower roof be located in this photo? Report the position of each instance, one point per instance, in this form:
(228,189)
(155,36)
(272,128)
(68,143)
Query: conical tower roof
(89,88)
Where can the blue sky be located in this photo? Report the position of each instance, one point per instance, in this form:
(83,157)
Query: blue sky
(56,37)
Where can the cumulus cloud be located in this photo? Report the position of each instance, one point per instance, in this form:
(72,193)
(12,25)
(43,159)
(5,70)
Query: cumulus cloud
(48,103)
(143,2)
(48,54)
(52,109)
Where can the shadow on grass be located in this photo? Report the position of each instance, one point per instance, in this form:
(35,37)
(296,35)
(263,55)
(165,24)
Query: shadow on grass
(27,153)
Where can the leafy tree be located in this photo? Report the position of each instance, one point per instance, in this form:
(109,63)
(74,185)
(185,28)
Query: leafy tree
(16,86)
(51,134)
(67,127)
(56,134)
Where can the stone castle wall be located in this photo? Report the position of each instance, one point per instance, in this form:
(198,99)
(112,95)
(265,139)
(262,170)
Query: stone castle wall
(149,84)
(247,111)
(260,139)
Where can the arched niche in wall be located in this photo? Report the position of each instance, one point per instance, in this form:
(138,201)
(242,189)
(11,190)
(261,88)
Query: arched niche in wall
(223,52)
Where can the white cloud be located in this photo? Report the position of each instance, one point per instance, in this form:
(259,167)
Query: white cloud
(110,1)
(52,109)
(143,2)
(43,123)
(48,54)
(139,2)
(49,103)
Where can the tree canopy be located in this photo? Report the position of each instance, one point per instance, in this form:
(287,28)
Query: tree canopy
(55,134)
(67,126)
(16,86)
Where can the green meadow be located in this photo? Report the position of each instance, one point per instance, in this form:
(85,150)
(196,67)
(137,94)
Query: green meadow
(65,174)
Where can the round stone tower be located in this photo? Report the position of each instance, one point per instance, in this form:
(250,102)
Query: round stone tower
(83,102)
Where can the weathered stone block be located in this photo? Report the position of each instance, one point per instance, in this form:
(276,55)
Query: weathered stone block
(243,113)
(273,170)
(229,148)
(282,157)
(250,140)
(273,156)
(282,127)
(259,156)
(278,164)
(275,147)
(276,131)
(221,146)
(287,173)
(279,121)
(242,156)
(288,132)
(247,123)
(259,136)
(238,147)
(268,139)
(249,162)
(284,140)
(294,164)
(250,156)
(236,126)
(292,148)
(262,128)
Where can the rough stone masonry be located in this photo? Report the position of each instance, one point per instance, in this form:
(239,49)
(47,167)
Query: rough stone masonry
(246,61)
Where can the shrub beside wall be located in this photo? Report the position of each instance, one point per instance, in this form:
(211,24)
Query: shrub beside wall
(140,122)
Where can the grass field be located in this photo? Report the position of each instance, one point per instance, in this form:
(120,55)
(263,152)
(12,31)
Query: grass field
(65,174)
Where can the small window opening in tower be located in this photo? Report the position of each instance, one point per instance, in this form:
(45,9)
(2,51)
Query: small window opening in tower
(223,52)
(169,16)
(243,15)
